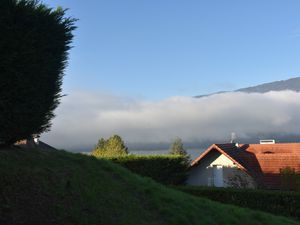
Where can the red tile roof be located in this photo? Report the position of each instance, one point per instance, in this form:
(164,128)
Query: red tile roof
(262,161)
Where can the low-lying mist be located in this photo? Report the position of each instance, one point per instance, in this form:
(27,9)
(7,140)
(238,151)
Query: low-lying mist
(83,117)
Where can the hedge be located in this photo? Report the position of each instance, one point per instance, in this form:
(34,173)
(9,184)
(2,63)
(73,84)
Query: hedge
(166,169)
(282,203)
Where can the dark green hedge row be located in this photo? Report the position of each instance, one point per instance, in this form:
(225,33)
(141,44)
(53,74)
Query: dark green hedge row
(282,203)
(166,169)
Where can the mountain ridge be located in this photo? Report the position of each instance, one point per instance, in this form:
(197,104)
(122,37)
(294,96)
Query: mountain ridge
(292,84)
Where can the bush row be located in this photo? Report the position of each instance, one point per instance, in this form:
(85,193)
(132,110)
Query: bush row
(166,169)
(277,202)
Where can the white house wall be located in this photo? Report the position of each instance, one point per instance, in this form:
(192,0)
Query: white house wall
(202,174)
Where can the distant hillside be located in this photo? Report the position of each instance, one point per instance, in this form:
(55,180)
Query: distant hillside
(58,188)
(292,84)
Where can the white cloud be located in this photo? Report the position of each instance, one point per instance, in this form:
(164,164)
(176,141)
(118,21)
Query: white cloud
(84,116)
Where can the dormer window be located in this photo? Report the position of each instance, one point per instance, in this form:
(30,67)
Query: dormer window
(268,152)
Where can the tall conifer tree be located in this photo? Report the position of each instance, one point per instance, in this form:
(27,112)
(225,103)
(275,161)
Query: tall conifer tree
(34,42)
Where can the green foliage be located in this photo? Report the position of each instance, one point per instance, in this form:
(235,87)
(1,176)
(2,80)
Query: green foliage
(177,148)
(277,202)
(290,180)
(236,180)
(101,144)
(57,187)
(114,146)
(166,169)
(33,54)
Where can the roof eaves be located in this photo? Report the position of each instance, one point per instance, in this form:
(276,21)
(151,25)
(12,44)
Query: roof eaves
(195,161)
(215,146)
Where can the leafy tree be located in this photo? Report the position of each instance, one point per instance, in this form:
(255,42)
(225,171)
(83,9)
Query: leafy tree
(114,146)
(177,148)
(34,42)
(101,144)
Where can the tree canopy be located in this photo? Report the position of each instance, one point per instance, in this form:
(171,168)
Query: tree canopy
(177,148)
(113,146)
(34,43)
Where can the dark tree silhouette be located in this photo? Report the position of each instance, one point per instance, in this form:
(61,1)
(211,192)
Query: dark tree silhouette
(34,42)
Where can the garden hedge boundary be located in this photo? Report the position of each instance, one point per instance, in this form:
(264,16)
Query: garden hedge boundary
(166,169)
(284,203)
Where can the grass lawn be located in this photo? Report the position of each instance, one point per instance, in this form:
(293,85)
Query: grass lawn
(58,188)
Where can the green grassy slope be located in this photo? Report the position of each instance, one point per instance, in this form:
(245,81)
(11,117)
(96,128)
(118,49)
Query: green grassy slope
(56,187)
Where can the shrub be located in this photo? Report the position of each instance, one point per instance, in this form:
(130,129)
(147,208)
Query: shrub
(166,169)
(277,202)
(33,54)
(289,179)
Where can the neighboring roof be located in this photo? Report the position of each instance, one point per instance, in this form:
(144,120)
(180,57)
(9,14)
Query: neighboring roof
(44,146)
(30,143)
(261,161)
(224,149)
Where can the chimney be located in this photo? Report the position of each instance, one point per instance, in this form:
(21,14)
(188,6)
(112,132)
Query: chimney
(36,140)
(233,137)
(267,141)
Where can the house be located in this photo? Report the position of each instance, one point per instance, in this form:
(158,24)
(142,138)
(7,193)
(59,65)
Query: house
(245,165)
(33,143)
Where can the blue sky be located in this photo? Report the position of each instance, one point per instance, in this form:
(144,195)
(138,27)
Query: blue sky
(157,49)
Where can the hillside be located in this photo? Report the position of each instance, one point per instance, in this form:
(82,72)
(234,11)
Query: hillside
(56,187)
(292,84)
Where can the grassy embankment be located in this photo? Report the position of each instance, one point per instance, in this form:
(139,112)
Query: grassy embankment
(56,187)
